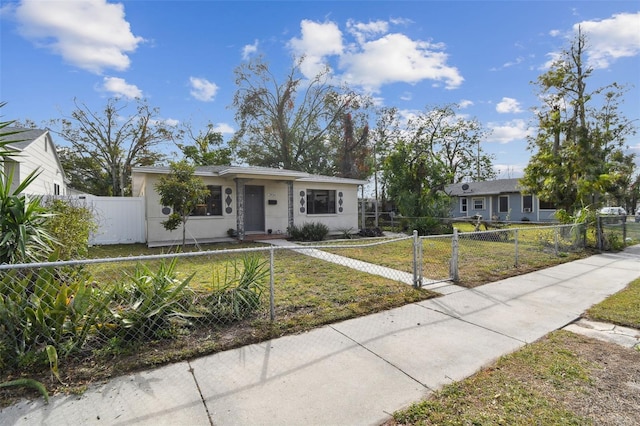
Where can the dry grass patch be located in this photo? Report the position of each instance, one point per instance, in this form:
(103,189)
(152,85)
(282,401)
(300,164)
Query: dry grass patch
(562,379)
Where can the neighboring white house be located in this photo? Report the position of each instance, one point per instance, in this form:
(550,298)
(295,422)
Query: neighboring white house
(35,150)
(251,201)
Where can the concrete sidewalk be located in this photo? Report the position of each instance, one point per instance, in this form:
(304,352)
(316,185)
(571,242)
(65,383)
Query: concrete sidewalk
(356,372)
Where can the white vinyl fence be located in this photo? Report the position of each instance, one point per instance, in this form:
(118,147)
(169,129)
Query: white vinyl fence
(120,220)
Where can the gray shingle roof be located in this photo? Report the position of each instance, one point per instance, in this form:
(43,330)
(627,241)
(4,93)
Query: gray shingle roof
(489,187)
(24,138)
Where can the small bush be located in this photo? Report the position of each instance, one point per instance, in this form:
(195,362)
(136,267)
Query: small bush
(314,231)
(70,224)
(237,293)
(149,301)
(431,226)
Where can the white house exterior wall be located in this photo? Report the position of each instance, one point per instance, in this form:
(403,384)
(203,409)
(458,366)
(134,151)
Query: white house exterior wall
(40,155)
(200,228)
(337,222)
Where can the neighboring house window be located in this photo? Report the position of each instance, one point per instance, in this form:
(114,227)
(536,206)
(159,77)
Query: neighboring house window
(321,201)
(547,205)
(56,189)
(463,205)
(212,205)
(527,203)
(503,204)
(478,203)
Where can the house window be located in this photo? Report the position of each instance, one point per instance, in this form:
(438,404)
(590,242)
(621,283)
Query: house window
(56,189)
(527,203)
(503,204)
(321,201)
(478,203)
(212,205)
(463,205)
(547,205)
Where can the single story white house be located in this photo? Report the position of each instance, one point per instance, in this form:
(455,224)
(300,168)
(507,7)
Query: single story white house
(251,201)
(34,150)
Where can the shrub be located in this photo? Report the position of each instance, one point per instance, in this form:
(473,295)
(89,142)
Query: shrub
(431,226)
(236,294)
(53,309)
(148,302)
(314,231)
(71,224)
(22,219)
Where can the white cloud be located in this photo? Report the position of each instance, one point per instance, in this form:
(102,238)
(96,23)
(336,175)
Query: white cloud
(508,105)
(317,41)
(375,58)
(509,131)
(249,50)
(89,34)
(406,96)
(612,38)
(397,58)
(202,89)
(465,103)
(363,32)
(223,128)
(171,122)
(120,88)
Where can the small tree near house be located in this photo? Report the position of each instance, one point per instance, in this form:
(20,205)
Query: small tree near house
(183,191)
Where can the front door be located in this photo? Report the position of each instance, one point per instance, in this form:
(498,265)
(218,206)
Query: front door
(253,208)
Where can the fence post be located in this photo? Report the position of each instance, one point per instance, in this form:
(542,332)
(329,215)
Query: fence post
(454,272)
(515,237)
(599,233)
(556,240)
(272,300)
(416,283)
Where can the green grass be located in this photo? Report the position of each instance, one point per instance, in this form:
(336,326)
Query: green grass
(623,308)
(485,258)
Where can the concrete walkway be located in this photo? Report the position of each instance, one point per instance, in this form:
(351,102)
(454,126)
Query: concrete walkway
(356,372)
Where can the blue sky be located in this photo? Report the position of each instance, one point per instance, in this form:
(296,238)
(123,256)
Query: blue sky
(180,55)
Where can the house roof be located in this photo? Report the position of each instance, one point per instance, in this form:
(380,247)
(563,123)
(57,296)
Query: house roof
(19,141)
(489,187)
(254,172)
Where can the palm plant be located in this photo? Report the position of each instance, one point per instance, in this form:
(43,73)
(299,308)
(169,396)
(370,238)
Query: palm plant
(22,218)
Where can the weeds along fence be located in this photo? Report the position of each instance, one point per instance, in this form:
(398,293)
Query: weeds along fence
(616,232)
(96,307)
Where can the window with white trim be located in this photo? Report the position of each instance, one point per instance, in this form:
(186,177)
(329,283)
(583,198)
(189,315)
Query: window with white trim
(463,205)
(478,203)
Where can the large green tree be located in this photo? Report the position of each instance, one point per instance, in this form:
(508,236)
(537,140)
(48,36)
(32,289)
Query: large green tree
(205,148)
(578,151)
(435,148)
(105,145)
(286,123)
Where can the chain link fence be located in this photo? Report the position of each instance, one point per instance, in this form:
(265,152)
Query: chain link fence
(214,300)
(616,232)
(490,255)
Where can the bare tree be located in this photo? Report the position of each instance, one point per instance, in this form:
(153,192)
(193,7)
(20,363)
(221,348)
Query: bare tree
(108,144)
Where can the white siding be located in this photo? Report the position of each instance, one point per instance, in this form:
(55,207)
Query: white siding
(40,155)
